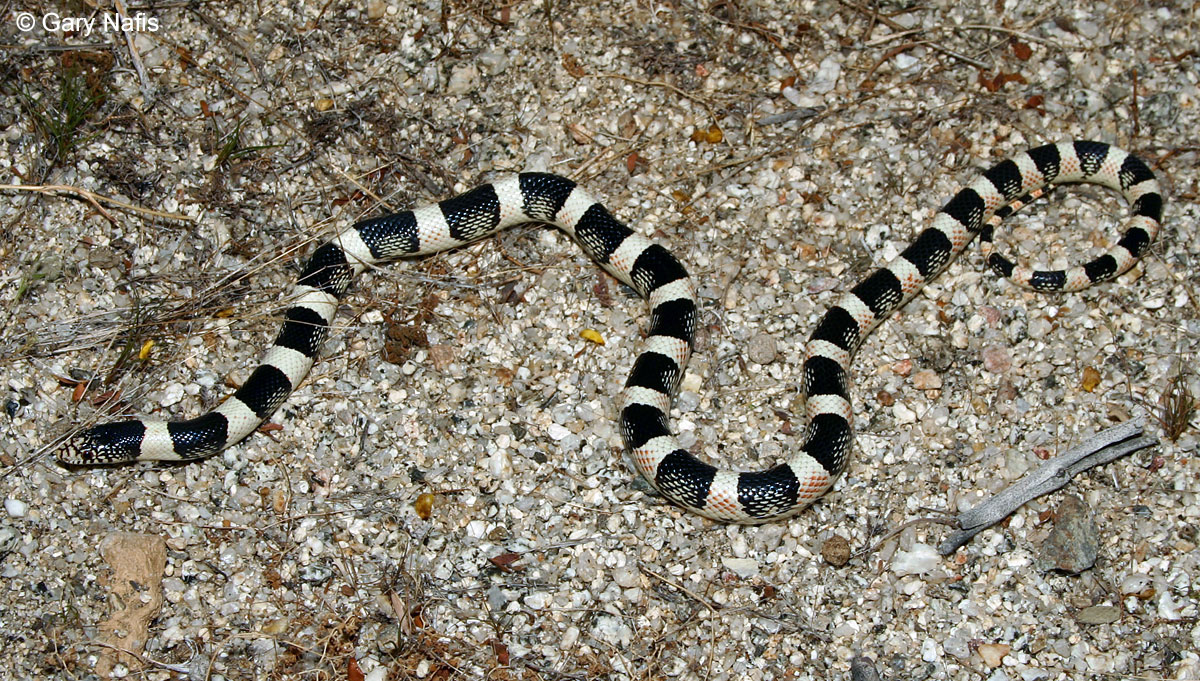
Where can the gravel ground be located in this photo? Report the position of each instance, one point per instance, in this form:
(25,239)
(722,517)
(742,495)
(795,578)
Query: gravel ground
(780,150)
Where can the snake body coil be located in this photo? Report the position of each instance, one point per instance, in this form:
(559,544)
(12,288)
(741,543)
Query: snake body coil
(658,276)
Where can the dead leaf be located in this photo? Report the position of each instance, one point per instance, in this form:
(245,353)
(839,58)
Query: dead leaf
(353,672)
(135,590)
(505,562)
(573,67)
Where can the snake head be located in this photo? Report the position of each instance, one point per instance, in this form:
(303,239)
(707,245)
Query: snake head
(108,443)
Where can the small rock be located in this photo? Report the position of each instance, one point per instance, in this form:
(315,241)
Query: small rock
(495,62)
(905,62)
(462,79)
(993,653)
(1160,109)
(996,359)
(1135,583)
(1168,609)
(1074,542)
(275,627)
(441,355)
(315,574)
(8,539)
(538,600)
(991,315)
(827,75)
(626,577)
(762,349)
(922,558)
(16,508)
(1039,327)
(863,669)
(1099,614)
(742,567)
(926,380)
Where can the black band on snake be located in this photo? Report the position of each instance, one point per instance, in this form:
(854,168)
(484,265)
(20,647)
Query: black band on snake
(658,276)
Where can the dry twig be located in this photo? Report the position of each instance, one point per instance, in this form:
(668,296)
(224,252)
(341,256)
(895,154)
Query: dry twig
(95,199)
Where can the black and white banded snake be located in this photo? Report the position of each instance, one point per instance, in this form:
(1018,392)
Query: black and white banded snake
(749,497)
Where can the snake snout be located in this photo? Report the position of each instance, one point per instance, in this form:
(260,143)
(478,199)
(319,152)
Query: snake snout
(109,443)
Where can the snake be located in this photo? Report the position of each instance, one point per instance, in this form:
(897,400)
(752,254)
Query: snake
(658,276)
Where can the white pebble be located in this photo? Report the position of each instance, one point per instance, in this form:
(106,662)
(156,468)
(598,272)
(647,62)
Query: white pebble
(827,75)
(903,414)
(905,62)
(1135,583)
(742,567)
(921,559)
(16,508)
(929,650)
(462,79)
(537,600)
(172,394)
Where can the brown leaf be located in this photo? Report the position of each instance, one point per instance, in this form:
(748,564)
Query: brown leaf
(994,83)
(1022,50)
(399,610)
(509,293)
(501,652)
(504,375)
(600,289)
(273,578)
(573,67)
(505,562)
(353,673)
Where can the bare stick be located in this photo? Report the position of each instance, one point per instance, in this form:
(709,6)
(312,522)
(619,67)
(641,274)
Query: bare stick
(134,56)
(94,199)
(1101,448)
